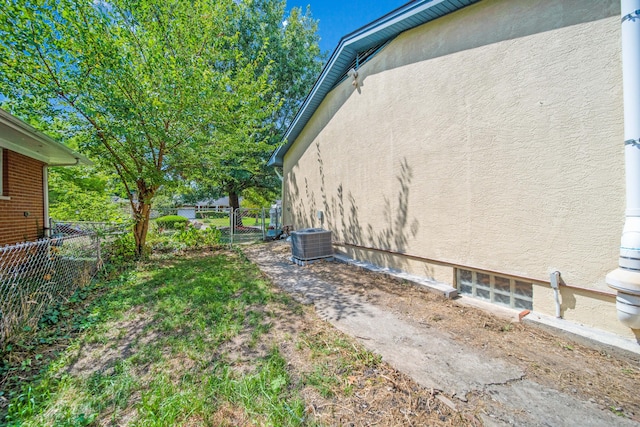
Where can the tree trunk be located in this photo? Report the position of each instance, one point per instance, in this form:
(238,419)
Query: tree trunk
(142,214)
(141,227)
(234,204)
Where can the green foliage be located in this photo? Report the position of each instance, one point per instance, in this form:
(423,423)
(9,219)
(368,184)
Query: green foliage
(194,238)
(119,253)
(172,372)
(135,83)
(255,198)
(186,238)
(172,222)
(236,164)
(83,194)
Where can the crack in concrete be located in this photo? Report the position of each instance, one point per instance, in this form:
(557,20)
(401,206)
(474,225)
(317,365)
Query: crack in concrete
(506,382)
(434,359)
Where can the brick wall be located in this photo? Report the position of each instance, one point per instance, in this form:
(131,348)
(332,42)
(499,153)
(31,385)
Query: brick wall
(22,183)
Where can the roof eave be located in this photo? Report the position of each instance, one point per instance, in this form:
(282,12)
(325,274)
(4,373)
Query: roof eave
(392,24)
(53,153)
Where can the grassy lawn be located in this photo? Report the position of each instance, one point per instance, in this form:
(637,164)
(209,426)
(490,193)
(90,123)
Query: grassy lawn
(224,222)
(198,340)
(155,355)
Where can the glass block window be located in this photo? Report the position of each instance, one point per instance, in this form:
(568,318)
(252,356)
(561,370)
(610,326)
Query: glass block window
(500,290)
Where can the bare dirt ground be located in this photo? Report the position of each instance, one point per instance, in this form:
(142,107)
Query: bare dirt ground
(385,396)
(342,385)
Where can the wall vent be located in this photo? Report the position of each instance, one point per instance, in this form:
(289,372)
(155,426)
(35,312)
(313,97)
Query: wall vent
(311,243)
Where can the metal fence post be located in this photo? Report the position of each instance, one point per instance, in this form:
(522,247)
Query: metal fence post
(99,251)
(232,225)
(264,226)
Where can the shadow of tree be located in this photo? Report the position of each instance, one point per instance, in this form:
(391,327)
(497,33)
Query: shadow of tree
(306,286)
(206,301)
(342,213)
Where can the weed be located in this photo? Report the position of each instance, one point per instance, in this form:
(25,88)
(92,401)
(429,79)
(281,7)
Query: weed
(506,327)
(367,358)
(321,379)
(628,371)
(566,346)
(618,411)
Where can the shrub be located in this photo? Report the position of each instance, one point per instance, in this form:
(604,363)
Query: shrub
(188,238)
(212,214)
(121,249)
(172,222)
(119,253)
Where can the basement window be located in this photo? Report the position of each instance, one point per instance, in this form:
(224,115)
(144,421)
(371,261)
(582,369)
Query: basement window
(505,291)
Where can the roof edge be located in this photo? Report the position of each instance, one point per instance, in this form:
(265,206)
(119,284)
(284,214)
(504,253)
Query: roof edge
(69,156)
(393,23)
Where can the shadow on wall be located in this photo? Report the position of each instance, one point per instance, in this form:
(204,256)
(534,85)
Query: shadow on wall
(342,215)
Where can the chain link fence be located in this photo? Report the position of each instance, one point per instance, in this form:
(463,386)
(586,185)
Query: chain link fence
(243,225)
(100,229)
(35,275)
(248,225)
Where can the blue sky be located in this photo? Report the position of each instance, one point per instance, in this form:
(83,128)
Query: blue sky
(340,17)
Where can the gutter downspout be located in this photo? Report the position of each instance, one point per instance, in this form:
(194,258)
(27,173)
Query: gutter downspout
(280,177)
(45,201)
(626,278)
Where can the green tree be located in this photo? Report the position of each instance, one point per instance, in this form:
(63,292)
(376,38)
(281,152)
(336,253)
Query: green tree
(292,48)
(144,81)
(82,194)
(289,43)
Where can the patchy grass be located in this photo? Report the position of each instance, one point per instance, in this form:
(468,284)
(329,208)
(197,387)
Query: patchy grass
(247,221)
(202,340)
(152,358)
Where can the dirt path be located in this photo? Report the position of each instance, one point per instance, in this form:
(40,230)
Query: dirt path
(500,372)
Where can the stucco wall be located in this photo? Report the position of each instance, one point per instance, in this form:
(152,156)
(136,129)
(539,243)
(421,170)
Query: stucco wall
(490,138)
(23,184)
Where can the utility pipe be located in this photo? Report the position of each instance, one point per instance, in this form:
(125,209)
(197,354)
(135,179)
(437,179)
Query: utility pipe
(602,292)
(626,278)
(45,201)
(555,280)
(280,177)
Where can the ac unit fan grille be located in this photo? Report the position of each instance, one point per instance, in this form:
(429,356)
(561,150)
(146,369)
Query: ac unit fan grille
(311,243)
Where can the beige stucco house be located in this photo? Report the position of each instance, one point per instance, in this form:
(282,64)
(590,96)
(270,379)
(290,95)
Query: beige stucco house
(478,143)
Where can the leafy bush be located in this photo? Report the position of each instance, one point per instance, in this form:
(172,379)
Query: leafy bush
(212,215)
(118,254)
(188,238)
(172,222)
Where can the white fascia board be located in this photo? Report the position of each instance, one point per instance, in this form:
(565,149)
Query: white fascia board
(59,152)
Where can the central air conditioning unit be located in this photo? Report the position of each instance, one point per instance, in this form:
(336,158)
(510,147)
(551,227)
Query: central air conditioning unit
(311,244)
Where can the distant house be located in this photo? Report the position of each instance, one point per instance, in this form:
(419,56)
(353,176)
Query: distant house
(477,143)
(25,156)
(216,205)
